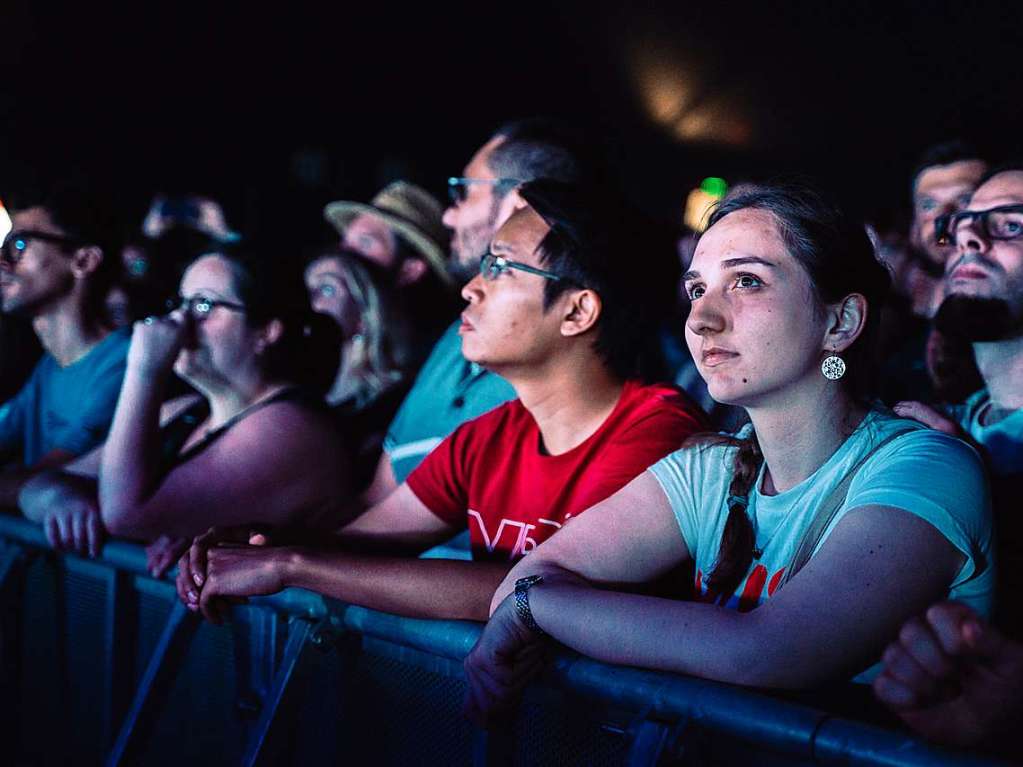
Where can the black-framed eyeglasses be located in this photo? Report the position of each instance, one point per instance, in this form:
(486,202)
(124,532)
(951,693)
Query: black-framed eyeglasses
(17,242)
(1004,222)
(458,186)
(199,307)
(492,267)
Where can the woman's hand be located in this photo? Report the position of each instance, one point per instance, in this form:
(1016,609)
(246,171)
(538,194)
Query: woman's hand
(162,553)
(193,564)
(155,343)
(505,659)
(75,525)
(931,418)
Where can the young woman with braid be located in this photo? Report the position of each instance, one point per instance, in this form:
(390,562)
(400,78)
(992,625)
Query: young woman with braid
(815,531)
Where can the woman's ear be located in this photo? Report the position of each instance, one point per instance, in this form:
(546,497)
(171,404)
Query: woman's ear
(846,321)
(581,313)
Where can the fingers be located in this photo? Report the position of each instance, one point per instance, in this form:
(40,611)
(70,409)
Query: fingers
(925,648)
(926,415)
(52,529)
(79,539)
(188,593)
(197,560)
(894,693)
(94,533)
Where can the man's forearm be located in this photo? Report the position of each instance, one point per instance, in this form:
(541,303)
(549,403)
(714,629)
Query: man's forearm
(418,588)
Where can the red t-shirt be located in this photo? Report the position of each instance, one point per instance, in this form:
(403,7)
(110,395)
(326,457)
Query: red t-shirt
(490,474)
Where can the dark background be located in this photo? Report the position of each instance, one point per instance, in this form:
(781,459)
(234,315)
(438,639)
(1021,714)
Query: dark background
(277,111)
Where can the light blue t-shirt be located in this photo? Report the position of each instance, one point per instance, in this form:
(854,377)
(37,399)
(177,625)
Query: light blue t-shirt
(1003,440)
(67,408)
(448,391)
(936,477)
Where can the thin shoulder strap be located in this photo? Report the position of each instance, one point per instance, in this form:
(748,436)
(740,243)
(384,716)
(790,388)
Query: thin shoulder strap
(827,511)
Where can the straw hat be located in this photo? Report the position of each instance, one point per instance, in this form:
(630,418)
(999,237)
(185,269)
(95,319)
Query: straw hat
(411,212)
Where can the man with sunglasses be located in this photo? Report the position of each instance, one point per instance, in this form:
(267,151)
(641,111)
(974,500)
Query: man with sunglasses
(56,266)
(944,178)
(560,313)
(450,389)
(950,675)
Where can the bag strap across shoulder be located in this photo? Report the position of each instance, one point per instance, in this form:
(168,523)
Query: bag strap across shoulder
(827,511)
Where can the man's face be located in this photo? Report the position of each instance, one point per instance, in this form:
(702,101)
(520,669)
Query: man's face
(941,189)
(39,274)
(372,239)
(505,326)
(475,219)
(985,268)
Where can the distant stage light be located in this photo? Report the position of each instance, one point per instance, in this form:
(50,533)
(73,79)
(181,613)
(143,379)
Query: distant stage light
(5,223)
(701,201)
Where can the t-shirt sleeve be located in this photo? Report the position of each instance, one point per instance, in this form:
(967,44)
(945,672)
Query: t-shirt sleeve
(97,407)
(939,479)
(679,475)
(440,480)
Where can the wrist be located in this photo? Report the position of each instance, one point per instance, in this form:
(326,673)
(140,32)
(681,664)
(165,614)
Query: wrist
(523,608)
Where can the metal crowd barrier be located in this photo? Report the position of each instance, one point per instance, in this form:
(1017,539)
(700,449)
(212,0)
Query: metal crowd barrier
(100,664)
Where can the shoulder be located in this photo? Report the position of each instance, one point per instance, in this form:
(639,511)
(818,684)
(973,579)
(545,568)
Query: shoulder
(902,440)
(507,418)
(661,399)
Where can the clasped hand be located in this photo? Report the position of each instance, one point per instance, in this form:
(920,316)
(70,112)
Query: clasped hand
(156,341)
(226,565)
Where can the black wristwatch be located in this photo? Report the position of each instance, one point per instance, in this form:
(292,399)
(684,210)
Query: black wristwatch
(522,587)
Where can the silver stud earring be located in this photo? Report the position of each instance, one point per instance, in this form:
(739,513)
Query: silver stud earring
(833,367)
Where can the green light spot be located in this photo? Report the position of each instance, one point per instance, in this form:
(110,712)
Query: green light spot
(714,186)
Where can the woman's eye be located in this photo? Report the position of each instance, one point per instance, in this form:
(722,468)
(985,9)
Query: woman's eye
(747,281)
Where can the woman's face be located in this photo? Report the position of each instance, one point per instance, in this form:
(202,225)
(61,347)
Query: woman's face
(327,283)
(756,330)
(219,343)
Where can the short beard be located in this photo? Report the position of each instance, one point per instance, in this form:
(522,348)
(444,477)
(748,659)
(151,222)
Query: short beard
(973,319)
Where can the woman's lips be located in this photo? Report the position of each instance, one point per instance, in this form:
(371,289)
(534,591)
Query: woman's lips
(713,357)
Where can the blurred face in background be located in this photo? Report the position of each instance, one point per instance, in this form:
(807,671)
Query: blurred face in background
(371,238)
(938,190)
(329,293)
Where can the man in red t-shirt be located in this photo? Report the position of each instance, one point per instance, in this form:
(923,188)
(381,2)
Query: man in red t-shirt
(558,310)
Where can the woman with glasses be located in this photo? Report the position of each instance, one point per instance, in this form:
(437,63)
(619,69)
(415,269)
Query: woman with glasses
(376,354)
(254,446)
(814,532)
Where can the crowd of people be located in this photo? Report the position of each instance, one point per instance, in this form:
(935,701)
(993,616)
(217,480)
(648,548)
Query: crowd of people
(775,453)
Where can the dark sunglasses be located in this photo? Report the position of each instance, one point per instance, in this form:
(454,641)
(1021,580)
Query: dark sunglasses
(1004,222)
(17,242)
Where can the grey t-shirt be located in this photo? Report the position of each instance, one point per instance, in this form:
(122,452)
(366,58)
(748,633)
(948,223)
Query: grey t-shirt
(68,408)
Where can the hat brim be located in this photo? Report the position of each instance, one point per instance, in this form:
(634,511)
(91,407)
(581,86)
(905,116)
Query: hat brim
(341,213)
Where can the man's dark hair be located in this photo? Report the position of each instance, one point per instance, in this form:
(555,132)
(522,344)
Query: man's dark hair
(945,153)
(87,217)
(594,243)
(540,147)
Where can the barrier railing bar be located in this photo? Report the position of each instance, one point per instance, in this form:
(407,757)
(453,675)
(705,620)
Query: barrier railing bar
(119,625)
(155,684)
(782,726)
(13,559)
(288,685)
